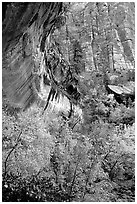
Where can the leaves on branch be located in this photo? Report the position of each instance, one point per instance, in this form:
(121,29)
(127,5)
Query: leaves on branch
(87,154)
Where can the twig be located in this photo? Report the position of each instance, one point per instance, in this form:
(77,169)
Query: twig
(74,177)
(87,179)
(107,154)
(111,170)
(6,160)
(75,123)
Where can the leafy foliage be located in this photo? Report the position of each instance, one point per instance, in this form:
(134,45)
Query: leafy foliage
(74,165)
(90,156)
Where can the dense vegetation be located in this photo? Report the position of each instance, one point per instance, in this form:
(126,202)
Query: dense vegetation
(84,149)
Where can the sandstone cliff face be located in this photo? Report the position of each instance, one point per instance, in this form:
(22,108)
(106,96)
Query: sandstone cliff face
(26,27)
(90,36)
(106,33)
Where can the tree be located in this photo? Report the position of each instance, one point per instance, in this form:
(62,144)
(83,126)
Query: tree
(51,50)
